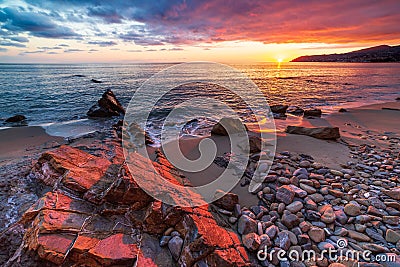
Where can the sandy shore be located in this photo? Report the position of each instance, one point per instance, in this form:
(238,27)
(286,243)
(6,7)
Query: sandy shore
(367,124)
(22,142)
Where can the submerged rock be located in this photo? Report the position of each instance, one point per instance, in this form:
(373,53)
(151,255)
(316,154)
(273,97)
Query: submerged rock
(107,106)
(295,110)
(317,132)
(95,81)
(16,118)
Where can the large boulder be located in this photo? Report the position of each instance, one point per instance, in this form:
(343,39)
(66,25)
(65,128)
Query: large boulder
(317,132)
(230,125)
(16,118)
(107,106)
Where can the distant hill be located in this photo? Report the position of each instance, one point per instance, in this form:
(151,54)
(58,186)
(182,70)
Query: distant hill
(381,53)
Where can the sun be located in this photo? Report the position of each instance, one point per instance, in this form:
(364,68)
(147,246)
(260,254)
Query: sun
(280,60)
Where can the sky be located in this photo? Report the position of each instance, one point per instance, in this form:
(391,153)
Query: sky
(227,31)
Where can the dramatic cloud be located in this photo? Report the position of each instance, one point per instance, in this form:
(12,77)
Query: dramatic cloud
(37,24)
(191,22)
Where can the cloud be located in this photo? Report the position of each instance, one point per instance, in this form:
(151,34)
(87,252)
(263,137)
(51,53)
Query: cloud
(49,48)
(36,24)
(108,14)
(180,22)
(102,43)
(176,49)
(20,39)
(2,49)
(73,50)
(7,43)
(31,52)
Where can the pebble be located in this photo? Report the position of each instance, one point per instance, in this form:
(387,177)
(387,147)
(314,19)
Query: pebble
(316,234)
(246,225)
(352,209)
(294,207)
(175,247)
(251,241)
(392,236)
(285,194)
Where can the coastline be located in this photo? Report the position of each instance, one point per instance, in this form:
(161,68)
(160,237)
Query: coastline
(365,131)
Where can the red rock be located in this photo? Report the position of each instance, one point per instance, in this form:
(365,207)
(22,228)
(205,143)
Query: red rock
(116,249)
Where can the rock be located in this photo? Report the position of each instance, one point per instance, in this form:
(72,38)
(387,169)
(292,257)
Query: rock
(316,234)
(251,241)
(136,131)
(284,240)
(285,194)
(305,164)
(295,110)
(342,110)
(393,193)
(175,247)
(341,217)
(375,235)
(294,207)
(95,81)
(272,231)
(255,143)
(300,171)
(230,125)
(358,236)
(290,220)
(336,264)
(308,189)
(393,220)
(16,118)
(246,225)
(227,202)
(392,236)
(280,109)
(328,215)
(352,209)
(107,106)
(164,240)
(313,112)
(375,248)
(317,132)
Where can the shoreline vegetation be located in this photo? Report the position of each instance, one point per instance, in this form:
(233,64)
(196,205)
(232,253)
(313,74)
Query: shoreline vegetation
(376,54)
(75,202)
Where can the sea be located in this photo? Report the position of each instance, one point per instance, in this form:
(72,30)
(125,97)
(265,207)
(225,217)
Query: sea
(57,96)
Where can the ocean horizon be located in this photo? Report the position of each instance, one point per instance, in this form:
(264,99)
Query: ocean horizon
(57,96)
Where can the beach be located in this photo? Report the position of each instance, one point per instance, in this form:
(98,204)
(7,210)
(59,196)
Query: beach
(319,177)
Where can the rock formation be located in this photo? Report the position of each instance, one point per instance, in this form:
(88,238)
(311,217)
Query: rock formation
(316,132)
(107,106)
(230,125)
(96,215)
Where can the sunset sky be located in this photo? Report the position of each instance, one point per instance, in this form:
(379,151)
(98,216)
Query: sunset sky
(228,31)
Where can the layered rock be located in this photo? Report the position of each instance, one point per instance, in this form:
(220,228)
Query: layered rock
(96,215)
